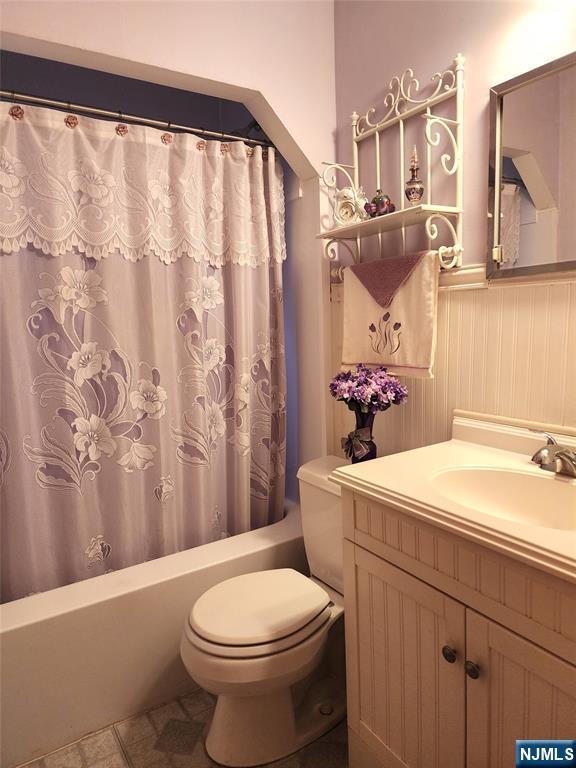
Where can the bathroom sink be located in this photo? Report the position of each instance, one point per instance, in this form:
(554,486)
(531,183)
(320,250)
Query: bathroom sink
(543,499)
(480,484)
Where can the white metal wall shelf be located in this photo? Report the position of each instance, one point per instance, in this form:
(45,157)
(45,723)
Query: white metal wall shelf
(404,218)
(403,102)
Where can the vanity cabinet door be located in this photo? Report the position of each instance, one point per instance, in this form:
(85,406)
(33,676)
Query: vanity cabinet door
(521,692)
(406,701)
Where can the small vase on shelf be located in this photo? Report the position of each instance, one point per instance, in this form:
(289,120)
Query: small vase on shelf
(359,445)
(414,189)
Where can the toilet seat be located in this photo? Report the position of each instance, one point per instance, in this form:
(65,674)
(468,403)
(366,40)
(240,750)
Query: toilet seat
(259,609)
(260,649)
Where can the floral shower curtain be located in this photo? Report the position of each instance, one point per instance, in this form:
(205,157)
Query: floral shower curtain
(142,383)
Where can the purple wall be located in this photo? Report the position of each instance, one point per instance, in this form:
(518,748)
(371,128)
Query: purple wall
(500,40)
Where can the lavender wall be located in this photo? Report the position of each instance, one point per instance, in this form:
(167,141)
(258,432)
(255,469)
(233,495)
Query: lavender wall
(377,40)
(281,50)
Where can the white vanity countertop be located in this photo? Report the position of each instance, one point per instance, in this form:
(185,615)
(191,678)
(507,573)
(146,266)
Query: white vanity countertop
(409,482)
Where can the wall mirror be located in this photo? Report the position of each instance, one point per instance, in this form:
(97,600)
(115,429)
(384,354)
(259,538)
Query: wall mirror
(532,175)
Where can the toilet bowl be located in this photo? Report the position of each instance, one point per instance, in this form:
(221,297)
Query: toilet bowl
(259,643)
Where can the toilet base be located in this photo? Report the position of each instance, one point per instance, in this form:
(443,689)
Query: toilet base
(252,730)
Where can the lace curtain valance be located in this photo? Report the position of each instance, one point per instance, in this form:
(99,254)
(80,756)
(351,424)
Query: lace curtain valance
(72,183)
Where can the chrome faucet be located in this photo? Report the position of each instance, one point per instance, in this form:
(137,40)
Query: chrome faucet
(555,458)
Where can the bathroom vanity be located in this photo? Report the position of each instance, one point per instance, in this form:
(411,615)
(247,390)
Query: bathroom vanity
(460,601)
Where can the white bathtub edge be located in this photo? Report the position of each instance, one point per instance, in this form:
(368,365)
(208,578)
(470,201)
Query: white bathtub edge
(56,602)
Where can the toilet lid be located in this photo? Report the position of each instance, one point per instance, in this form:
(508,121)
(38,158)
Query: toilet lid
(257,607)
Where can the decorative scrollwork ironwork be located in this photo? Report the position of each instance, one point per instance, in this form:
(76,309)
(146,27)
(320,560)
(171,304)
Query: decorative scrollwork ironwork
(404,93)
(433,140)
(332,254)
(329,176)
(330,250)
(454,252)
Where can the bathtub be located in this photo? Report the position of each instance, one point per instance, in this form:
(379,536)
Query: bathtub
(88,654)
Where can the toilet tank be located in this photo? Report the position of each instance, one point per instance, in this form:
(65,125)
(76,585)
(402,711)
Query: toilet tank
(322,520)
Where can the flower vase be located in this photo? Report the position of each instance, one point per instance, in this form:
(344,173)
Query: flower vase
(362,434)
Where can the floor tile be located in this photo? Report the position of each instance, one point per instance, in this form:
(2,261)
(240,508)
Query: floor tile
(112,761)
(135,729)
(143,754)
(69,757)
(201,759)
(173,736)
(161,715)
(205,716)
(180,737)
(99,746)
(338,734)
(324,754)
(198,759)
(151,761)
(196,702)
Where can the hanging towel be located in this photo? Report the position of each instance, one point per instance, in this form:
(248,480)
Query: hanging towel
(510,223)
(390,309)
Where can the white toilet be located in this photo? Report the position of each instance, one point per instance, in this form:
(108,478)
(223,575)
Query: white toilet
(259,641)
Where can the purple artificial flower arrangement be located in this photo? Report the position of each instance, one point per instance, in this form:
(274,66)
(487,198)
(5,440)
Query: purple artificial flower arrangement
(368,390)
(365,391)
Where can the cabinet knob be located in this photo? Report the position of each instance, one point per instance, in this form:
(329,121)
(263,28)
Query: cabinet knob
(449,654)
(472,670)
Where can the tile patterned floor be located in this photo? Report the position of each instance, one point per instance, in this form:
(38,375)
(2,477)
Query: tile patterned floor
(172,736)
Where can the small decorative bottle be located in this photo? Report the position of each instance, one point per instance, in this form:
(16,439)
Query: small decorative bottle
(414,187)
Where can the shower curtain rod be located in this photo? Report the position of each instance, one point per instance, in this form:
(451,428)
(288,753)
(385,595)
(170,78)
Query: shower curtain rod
(67,106)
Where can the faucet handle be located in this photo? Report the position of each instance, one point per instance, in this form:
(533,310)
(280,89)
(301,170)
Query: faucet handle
(566,462)
(549,439)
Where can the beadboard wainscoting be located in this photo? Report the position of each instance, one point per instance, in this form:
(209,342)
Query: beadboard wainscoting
(507,350)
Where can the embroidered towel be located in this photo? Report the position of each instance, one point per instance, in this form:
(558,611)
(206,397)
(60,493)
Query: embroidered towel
(392,322)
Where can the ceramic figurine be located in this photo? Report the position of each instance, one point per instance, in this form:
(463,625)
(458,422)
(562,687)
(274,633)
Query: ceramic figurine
(380,205)
(387,206)
(350,205)
(414,187)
